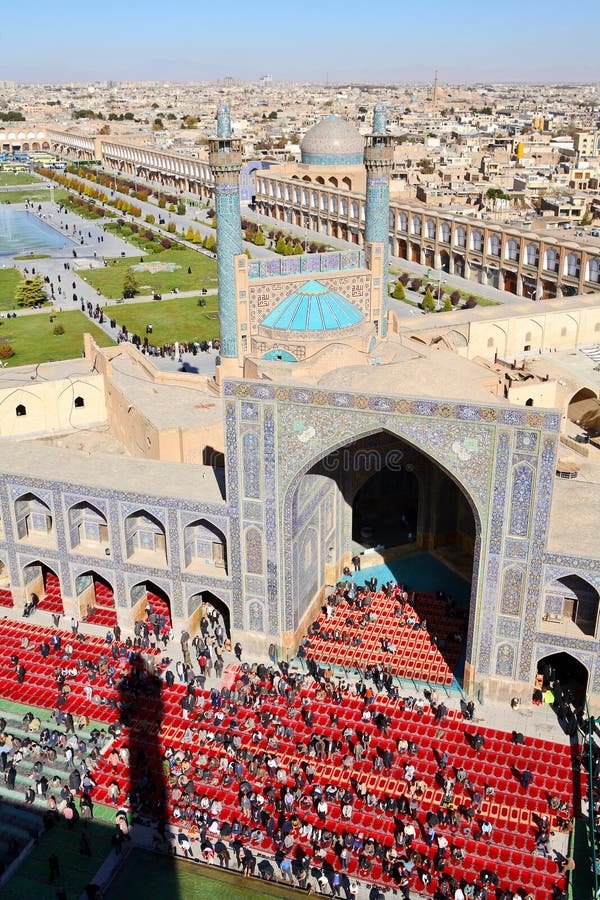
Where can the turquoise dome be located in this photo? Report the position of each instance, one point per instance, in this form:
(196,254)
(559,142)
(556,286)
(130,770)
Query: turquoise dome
(313,307)
(332,142)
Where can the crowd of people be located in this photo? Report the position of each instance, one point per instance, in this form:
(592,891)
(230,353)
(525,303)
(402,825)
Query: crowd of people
(251,772)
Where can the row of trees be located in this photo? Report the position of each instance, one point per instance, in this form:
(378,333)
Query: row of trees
(128,186)
(12,115)
(435,297)
(73,184)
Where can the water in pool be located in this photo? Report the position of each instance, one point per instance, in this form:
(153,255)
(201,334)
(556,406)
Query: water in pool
(22,232)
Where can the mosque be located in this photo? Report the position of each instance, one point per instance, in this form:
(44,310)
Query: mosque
(334,427)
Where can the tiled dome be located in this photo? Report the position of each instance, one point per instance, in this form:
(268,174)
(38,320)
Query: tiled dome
(313,307)
(332,142)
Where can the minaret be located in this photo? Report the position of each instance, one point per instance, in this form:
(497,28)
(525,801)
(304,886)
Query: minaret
(225,161)
(379,161)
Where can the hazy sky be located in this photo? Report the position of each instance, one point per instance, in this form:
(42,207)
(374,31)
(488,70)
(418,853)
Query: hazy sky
(358,40)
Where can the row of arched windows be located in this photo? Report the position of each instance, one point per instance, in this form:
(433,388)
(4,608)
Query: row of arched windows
(88,531)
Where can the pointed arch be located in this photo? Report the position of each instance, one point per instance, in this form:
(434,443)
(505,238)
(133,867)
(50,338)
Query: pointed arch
(88,527)
(150,602)
(96,599)
(204,543)
(295,609)
(33,517)
(42,583)
(199,607)
(571,606)
(145,538)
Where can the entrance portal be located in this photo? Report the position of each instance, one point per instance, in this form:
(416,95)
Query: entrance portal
(385,504)
(150,602)
(566,677)
(206,605)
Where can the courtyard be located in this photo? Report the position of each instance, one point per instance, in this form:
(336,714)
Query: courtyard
(172,272)
(34,340)
(173,319)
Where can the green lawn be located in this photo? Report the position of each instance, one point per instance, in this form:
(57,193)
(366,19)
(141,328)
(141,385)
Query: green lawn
(109,280)
(34,194)
(9,178)
(9,279)
(177,319)
(33,340)
(30,881)
(187,881)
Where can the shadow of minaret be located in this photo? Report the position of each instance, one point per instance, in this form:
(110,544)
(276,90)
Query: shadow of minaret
(141,712)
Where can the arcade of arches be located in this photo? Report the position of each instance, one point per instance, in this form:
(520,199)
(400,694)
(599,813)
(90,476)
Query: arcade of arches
(378,494)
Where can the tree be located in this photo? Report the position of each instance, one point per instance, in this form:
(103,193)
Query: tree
(12,115)
(399,292)
(181,208)
(471,302)
(105,129)
(259,239)
(447,307)
(150,219)
(428,303)
(209,242)
(30,290)
(130,284)
(189,235)
(455,298)
(280,245)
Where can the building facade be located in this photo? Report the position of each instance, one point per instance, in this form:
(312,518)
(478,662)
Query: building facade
(312,404)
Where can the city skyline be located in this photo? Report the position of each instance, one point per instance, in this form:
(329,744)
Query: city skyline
(467,43)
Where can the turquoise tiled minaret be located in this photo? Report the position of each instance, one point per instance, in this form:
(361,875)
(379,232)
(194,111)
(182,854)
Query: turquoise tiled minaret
(225,160)
(379,161)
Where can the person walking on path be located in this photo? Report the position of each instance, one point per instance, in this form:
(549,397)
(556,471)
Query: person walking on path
(238,651)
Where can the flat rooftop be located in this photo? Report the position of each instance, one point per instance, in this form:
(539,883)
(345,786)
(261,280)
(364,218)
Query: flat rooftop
(574,516)
(36,459)
(419,370)
(21,376)
(166,405)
